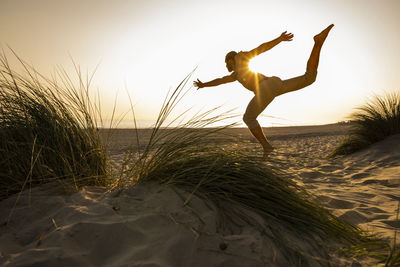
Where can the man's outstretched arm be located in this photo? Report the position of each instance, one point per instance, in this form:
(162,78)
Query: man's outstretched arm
(215,82)
(287,37)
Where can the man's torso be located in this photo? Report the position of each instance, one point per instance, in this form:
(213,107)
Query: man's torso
(244,75)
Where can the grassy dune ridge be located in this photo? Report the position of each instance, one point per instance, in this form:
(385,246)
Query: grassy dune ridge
(372,122)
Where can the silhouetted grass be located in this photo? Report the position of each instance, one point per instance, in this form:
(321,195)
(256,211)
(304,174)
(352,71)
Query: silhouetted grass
(371,123)
(48,131)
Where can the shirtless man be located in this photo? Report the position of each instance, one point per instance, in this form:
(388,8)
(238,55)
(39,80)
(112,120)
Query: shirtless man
(265,89)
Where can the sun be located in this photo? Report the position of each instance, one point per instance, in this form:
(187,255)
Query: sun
(254,65)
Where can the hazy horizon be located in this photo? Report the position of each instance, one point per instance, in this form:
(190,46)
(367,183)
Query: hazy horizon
(146,124)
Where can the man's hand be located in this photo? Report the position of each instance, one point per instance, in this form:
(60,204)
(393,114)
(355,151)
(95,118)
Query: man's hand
(286,36)
(198,84)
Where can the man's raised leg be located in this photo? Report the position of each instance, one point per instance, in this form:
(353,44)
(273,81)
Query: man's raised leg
(319,39)
(309,77)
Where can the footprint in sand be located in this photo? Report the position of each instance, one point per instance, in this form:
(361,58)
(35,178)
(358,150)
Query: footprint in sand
(392,223)
(329,168)
(378,217)
(393,197)
(353,216)
(383,182)
(310,175)
(340,204)
(360,175)
(363,195)
(371,210)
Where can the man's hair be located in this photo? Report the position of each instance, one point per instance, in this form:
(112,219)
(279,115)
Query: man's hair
(230,55)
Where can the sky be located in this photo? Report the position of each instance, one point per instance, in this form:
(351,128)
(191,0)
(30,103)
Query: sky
(146,47)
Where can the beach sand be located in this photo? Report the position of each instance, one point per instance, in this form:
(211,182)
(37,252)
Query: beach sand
(147,224)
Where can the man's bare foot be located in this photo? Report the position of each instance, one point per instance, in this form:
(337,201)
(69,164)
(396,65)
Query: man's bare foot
(267,151)
(320,38)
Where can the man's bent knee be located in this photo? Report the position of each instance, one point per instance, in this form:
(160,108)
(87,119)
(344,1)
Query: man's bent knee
(310,76)
(251,123)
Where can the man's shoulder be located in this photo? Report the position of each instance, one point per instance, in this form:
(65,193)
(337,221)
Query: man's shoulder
(243,55)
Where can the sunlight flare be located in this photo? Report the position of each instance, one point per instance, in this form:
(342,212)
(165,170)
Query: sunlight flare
(254,65)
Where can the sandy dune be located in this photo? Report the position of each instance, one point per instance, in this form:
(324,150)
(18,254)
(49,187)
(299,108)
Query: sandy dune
(147,225)
(362,188)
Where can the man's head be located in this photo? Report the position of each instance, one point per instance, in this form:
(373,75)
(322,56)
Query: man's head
(230,60)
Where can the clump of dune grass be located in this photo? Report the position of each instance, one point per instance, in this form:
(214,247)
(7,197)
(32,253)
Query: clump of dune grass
(370,123)
(204,162)
(48,130)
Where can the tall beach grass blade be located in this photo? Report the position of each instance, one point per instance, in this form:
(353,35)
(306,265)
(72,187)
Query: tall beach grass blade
(34,159)
(134,121)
